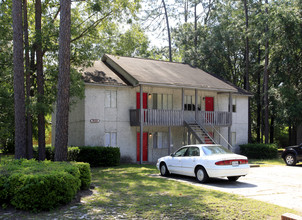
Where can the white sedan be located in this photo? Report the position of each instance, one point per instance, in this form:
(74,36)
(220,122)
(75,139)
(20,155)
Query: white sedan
(204,161)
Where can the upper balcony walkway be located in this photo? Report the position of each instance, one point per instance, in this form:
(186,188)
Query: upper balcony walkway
(159,117)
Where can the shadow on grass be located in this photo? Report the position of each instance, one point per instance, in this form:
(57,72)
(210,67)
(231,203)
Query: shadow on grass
(217,182)
(131,189)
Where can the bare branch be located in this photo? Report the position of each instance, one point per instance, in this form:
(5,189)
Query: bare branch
(95,24)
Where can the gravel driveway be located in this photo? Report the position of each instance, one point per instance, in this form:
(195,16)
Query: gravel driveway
(280,185)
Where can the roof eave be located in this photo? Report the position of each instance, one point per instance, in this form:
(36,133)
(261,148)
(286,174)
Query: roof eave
(188,87)
(108,61)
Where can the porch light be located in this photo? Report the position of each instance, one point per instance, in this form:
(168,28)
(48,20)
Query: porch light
(150,134)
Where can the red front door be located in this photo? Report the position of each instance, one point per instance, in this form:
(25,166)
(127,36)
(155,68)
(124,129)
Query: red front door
(145,100)
(145,146)
(145,103)
(209,104)
(209,108)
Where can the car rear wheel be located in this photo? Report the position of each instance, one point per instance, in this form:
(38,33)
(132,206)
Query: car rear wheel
(233,178)
(201,175)
(290,159)
(164,170)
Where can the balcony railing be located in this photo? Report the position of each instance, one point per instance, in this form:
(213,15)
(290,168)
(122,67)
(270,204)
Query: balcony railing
(158,117)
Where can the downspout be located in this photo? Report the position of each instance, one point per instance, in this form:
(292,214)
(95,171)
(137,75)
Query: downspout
(170,141)
(231,121)
(141,124)
(196,105)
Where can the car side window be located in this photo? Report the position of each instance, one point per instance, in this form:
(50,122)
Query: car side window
(181,152)
(193,152)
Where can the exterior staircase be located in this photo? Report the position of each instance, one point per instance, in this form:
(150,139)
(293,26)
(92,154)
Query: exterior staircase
(199,132)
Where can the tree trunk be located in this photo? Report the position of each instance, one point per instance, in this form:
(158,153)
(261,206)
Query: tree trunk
(29,132)
(168,28)
(40,82)
(195,25)
(290,134)
(186,9)
(258,98)
(266,122)
(247,63)
(19,94)
(272,128)
(61,139)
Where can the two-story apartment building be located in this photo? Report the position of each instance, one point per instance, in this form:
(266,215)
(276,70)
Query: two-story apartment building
(150,108)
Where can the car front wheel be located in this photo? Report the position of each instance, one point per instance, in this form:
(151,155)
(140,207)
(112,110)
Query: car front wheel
(290,160)
(201,175)
(164,170)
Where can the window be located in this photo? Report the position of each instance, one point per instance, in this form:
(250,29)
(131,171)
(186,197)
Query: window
(110,99)
(234,105)
(189,103)
(162,101)
(110,139)
(181,152)
(193,152)
(160,140)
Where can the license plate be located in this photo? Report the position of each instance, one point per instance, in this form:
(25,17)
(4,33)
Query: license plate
(235,163)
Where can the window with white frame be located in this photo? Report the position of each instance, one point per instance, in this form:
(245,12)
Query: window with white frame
(189,103)
(160,140)
(162,101)
(110,139)
(110,99)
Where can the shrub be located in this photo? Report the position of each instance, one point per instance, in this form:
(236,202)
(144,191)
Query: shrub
(49,152)
(99,156)
(8,147)
(35,186)
(95,156)
(72,153)
(259,151)
(85,174)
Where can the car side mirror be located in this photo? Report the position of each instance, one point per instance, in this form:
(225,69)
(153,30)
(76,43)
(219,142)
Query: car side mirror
(172,155)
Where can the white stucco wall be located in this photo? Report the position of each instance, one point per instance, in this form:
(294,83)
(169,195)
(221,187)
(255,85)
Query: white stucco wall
(239,126)
(240,121)
(76,132)
(110,119)
(84,130)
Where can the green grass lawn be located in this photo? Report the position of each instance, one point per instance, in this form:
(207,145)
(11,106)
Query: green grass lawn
(137,192)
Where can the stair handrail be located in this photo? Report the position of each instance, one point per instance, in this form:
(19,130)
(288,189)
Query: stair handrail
(187,125)
(202,128)
(211,124)
(206,132)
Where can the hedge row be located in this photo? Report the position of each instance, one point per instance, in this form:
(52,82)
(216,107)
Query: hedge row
(36,186)
(259,151)
(99,156)
(95,156)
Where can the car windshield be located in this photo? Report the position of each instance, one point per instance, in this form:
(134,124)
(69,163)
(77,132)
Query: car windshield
(218,149)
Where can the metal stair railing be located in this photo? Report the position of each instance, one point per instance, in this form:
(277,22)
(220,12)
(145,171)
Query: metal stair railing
(202,129)
(211,124)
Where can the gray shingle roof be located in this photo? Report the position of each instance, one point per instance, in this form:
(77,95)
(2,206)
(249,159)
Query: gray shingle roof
(99,73)
(153,72)
(117,70)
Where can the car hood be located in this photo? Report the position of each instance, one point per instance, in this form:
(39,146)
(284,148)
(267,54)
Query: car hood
(294,146)
(226,157)
(163,158)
